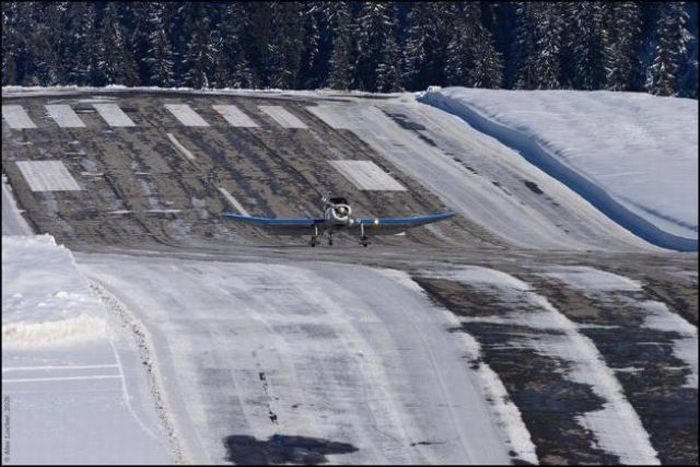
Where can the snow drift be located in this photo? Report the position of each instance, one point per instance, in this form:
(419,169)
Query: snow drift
(633,156)
(45,300)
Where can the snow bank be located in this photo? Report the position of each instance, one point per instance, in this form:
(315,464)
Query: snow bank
(633,156)
(45,300)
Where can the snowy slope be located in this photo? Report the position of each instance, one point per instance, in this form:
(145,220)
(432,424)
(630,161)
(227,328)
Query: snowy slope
(74,389)
(634,156)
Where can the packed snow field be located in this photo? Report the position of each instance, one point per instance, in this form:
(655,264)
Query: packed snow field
(532,328)
(634,156)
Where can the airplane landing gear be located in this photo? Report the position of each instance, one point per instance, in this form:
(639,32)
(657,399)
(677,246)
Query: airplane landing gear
(314,237)
(364,241)
(330,239)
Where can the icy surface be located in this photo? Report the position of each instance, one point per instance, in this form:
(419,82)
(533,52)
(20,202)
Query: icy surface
(633,155)
(74,389)
(256,350)
(12,221)
(600,284)
(616,427)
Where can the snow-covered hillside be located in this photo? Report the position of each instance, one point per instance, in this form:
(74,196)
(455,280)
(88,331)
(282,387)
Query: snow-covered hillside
(633,156)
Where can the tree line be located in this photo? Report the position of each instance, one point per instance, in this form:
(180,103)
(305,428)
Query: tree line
(368,46)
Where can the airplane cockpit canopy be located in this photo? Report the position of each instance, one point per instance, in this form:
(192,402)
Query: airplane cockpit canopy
(338,200)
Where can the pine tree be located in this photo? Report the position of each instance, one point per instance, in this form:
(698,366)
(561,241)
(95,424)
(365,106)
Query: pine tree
(525,46)
(688,72)
(588,45)
(115,63)
(159,56)
(46,41)
(621,46)
(199,51)
(76,55)
(673,38)
(372,29)
(388,69)
(284,48)
(9,43)
(548,38)
(232,66)
(342,63)
(310,67)
(137,32)
(430,27)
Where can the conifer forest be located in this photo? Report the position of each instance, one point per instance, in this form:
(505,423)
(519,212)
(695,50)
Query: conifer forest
(368,46)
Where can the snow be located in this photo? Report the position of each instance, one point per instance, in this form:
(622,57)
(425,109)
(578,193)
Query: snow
(282,116)
(616,427)
(186,115)
(600,285)
(234,202)
(75,390)
(235,116)
(64,116)
(47,176)
(379,371)
(634,156)
(183,150)
(16,117)
(113,115)
(12,221)
(526,220)
(366,175)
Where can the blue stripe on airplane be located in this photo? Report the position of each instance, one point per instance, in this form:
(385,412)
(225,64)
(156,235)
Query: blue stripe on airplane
(406,220)
(272,221)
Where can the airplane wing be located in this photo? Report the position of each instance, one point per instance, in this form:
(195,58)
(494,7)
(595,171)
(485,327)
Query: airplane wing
(279,225)
(393,225)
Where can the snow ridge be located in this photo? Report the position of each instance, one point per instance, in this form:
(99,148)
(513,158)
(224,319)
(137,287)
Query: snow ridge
(543,151)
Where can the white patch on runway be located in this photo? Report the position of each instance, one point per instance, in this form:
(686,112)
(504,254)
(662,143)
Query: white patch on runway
(235,116)
(282,116)
(65,116)
(16,117)
(331,117)
(186,152)
(234,202)
(186,115)
(47,176)
(113,115)
(366,175)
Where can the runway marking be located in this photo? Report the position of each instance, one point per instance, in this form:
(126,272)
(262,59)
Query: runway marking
(235,116)
(65,116)
(47,176)
(113,115)
(59,378)
(327,114)
(233,201)
(186,115)
(282,116)
(16,117)
(180,147)
(366,175)
(58,367)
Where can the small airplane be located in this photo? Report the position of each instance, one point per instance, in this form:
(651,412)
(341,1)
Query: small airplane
(336,217)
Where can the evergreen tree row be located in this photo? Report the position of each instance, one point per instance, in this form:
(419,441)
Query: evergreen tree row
(369,46)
